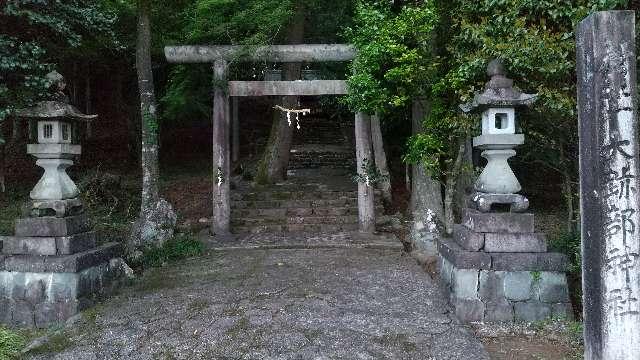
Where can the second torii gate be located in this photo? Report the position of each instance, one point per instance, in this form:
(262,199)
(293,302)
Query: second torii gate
(220,56)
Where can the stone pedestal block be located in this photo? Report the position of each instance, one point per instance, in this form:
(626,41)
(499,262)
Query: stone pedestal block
(505,296)
(511,223)
(42,299)
(52,269)
(52,226)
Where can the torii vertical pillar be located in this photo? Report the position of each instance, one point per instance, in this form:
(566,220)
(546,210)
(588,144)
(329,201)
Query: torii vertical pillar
(221,225)
(364,154)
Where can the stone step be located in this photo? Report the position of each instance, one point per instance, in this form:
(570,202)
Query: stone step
(295,195)
(292,220)
(289,212)
(313,228)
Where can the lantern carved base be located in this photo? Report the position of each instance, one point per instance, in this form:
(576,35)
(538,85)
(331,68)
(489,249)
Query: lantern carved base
(497,177)
(52,269)
(484,202)
(57,208)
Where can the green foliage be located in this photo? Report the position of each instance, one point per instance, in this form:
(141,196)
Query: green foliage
(570,245)
(37,34)
(369,174)
(395,57)
(10,343)
(181,247)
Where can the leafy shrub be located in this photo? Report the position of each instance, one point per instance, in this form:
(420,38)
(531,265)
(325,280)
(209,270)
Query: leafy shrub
(181,247)
(569,243)
(10,343)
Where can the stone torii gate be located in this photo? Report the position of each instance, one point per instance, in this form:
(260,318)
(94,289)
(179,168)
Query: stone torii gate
(220,56)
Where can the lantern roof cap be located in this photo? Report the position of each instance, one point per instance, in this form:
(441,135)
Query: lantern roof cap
(57,107)
(499,91)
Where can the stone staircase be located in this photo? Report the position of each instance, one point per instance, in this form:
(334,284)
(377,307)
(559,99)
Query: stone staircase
(295,207)
(319,194)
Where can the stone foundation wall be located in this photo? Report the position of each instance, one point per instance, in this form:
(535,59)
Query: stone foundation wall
(42,299)
(505,296)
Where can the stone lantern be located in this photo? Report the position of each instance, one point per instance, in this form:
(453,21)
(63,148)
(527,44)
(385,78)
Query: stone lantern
(53,268)
(497,268)
(497,184)
(56,124)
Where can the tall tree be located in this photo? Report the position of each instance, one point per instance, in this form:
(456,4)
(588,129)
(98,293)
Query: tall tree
(273,166)
(157,219)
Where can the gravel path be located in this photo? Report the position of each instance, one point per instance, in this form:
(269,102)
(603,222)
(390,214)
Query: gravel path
(276,304)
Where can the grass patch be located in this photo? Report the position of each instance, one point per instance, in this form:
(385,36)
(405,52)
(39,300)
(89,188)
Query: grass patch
(181,247)
(10,343)
(57,343)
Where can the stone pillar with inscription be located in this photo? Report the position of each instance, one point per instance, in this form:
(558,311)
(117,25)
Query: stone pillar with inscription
(609,169)
(497,268)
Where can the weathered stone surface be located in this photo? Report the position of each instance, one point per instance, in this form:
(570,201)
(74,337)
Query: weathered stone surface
(517,285)
(497,222)
(531,311)
(484,201)
(529,262)
(65,263)
(51,226)
(463,259)
(467,239)
(326,311)
(45,299)
(553,287)
(469,310)
(491,286)
(504,242)
(29,245)
(64,245)
(499,310)
(609,183)
(464,283)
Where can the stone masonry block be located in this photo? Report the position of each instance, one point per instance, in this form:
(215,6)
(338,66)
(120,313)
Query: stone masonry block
(65,263)
(64,245)
(491,287)
(469,310)
(29,245)
(463,259)
(51,226)
(445,271)
(497,222)
(464,283)
(467,239)
(553,287)
(498,311)
(528,262)
(505,242)
(531,311)
(517,285)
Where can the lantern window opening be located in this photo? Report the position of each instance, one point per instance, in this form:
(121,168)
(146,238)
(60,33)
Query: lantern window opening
(65,132)
(502,120)
(48,131)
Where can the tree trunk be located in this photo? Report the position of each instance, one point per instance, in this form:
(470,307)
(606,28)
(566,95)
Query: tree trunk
(451,187)
(87,104)
(364,154)
(157,219)
(273,166)
(567,191)
(426,194)
(236,131)
(381,159)
(464,182)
